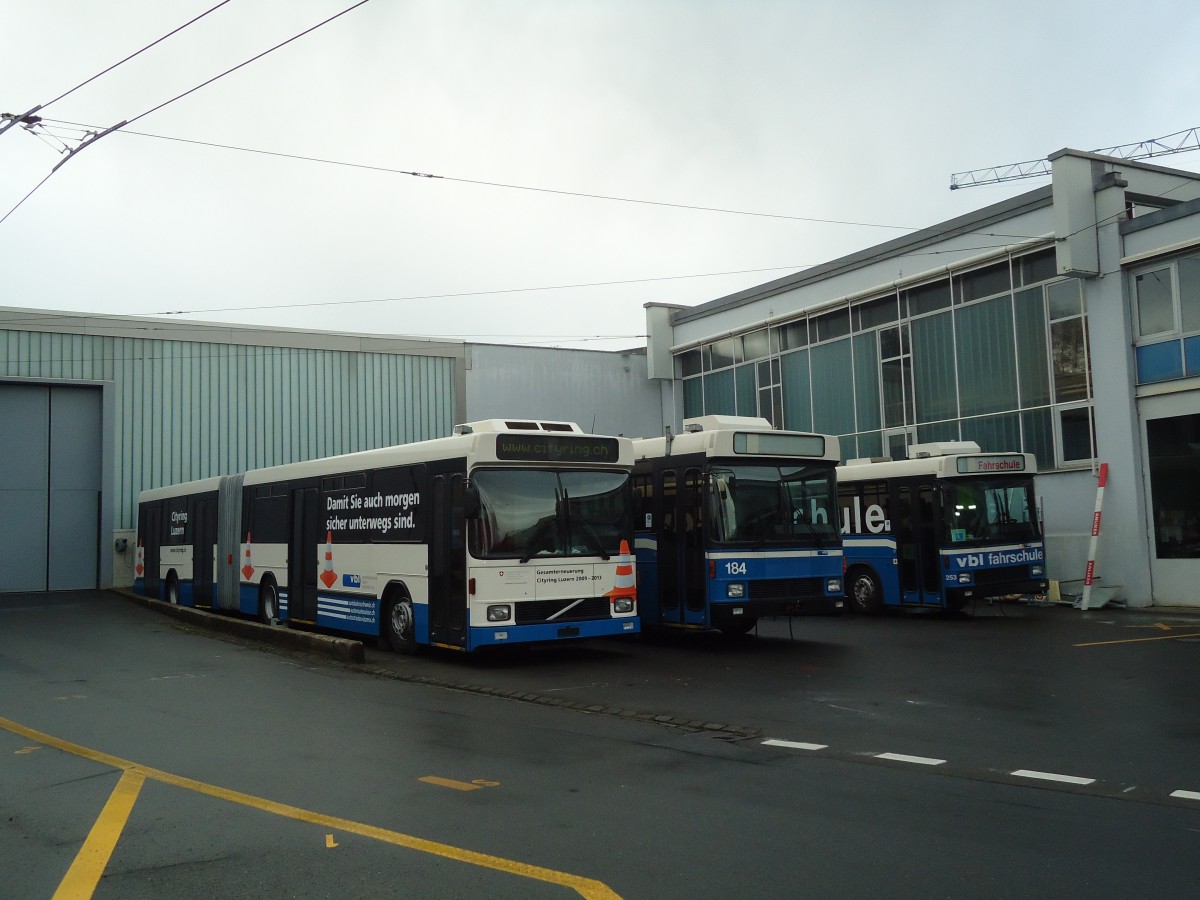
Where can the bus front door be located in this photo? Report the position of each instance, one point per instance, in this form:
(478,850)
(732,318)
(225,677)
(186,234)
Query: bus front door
(448,564)
(204,537)
(681,576)
(151,550)
(302,555)
(695,569)
(917,529)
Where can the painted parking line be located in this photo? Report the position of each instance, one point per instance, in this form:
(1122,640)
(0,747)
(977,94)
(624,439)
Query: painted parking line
(585,887)
(1051,776)
(1186,795)
(1161,637)
(918,760)
(92,859)
(795,745)
(451,783)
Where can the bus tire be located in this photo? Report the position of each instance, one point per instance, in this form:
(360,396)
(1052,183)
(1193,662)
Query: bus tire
(172,590)
(268,602)
(864,594)
(399,625)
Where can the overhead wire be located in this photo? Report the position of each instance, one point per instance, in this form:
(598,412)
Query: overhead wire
(137,53)
(88,141)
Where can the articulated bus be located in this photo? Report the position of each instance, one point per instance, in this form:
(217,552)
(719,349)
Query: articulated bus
(736,521)
(505,532)
(947,525)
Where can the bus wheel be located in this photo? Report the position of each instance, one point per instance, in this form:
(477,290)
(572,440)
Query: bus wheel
(173,589)
(398,624)
(865,594)
(268,603)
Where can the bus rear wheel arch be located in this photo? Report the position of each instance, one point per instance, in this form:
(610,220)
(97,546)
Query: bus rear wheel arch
(268,602)
(399,625)
(863,590)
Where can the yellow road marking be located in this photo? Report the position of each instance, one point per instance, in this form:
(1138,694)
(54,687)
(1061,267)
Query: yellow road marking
(450,783)
(330,842)
(84,874)
(585,887)
(1165,637)
(1161,626)
(25,750)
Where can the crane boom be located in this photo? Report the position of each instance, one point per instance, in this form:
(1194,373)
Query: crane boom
(1179,142)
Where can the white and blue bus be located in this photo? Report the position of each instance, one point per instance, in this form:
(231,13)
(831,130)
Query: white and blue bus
(947,525)
(506,532)
(736,521)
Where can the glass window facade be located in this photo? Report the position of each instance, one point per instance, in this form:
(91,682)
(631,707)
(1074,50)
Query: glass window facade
(997,354)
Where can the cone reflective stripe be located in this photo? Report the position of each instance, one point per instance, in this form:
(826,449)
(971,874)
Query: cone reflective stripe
(328,577)
(247,566)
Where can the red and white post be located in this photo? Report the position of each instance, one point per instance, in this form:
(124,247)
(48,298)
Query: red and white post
(1090,573)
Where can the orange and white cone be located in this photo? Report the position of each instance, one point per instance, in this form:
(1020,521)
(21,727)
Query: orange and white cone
(247,565)
(625,583)
(328,576)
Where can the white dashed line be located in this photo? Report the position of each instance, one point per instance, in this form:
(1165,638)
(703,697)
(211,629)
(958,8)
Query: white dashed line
(919,760)
(1052,776)
(1186,795)
(796,745)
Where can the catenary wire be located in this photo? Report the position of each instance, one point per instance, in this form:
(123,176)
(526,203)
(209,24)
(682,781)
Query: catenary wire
(139,52)
(90,140)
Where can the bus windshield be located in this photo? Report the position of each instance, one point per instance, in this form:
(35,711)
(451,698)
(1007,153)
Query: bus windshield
(769,504)
(989,509)
(527,513)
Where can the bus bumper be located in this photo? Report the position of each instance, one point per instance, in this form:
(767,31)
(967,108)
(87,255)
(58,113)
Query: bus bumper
(959,597)
(727,613)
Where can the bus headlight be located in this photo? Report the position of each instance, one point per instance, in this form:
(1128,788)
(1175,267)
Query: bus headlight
(501,612)
(623,605)
(833,586)
(735,590)
(1037,571)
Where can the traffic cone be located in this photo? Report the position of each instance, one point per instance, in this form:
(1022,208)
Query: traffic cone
(328,577)
(625,584)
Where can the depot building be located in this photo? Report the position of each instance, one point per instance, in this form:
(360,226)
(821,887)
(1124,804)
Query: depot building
(1074,337)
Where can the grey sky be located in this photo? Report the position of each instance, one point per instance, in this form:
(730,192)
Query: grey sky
(854,110)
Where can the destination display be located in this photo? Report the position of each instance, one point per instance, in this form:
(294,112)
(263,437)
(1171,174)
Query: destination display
(557,448)
(977,465)
(767,443)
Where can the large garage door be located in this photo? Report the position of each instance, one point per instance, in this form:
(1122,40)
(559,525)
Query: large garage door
(50,487)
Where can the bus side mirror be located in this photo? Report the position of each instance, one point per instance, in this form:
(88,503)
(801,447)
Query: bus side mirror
(471,504)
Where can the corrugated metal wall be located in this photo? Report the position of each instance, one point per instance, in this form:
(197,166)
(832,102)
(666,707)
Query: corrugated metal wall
(191,409)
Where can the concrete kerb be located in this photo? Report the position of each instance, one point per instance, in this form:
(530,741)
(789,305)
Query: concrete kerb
(338,648)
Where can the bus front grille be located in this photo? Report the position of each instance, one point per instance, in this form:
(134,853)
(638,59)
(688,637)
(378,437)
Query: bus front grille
(1001,575)
(786,589)
(532,612)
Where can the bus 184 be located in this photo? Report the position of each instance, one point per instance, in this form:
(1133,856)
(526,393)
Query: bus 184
(946,525)
(505,532)
(735,521)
